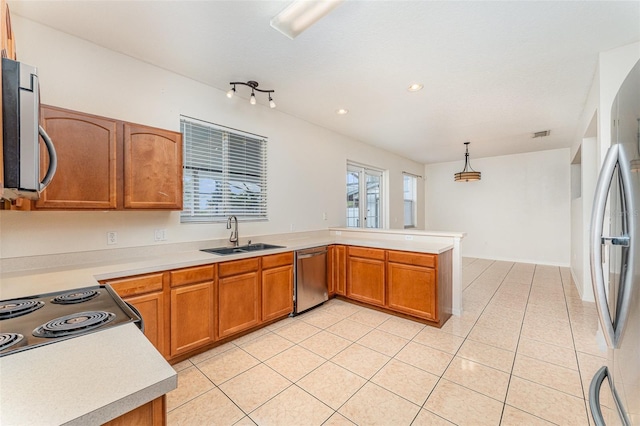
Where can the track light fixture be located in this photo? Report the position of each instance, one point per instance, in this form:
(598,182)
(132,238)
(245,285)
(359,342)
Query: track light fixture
(254,88)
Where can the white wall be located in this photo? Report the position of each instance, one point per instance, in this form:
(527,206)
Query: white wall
(519,211)
(306,168)
(595,136)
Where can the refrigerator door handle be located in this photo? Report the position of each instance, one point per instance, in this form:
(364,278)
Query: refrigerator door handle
(626,278)
(594,396)
(597,224)
(617,241)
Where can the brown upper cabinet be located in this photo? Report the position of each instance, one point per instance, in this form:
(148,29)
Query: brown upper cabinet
(109,164)
(8,41)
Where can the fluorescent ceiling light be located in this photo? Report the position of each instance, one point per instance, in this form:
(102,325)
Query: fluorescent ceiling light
(301,14)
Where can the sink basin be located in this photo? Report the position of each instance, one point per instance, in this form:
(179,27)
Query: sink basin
(223,251)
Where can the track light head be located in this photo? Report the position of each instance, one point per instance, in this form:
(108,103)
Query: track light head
(252,100)
(231,92)
(271,103)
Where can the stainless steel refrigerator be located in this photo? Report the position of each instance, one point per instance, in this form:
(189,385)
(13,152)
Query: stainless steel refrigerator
(617,294)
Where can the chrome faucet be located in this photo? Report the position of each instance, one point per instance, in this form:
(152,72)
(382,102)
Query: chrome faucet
(234,234)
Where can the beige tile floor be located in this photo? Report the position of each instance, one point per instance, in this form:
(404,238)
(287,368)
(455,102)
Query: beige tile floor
(523,353)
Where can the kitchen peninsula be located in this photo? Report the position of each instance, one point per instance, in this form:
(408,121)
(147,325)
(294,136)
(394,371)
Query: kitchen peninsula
(20,279)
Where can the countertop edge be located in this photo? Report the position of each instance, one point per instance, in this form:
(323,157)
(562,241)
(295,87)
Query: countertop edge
(126,404)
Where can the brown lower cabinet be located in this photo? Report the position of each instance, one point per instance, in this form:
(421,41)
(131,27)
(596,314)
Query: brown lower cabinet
(238,302)
(366,275)
(146,293)
(192,308)
(337,270)
(152,413)
(277,286)
(412,290)
(409,283)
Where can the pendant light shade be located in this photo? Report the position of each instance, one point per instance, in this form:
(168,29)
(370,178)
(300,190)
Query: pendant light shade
(467,174)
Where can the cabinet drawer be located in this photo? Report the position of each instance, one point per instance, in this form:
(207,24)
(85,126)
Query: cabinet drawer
(275,260)
(368,253)
(227,269)
(192,275)
(137,285)
(410,258)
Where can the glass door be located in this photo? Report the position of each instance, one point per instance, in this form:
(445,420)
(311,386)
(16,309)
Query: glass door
(374,185)
(353,198)
(364,197)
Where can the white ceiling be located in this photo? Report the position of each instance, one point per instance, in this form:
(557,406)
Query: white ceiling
(494,72)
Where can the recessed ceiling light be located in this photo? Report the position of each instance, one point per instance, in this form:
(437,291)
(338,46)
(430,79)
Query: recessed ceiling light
(342,111)
(415,87)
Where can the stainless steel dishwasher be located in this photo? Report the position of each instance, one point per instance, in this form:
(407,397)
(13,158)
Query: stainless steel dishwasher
(311,278)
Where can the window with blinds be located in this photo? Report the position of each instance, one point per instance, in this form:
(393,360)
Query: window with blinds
(225,173)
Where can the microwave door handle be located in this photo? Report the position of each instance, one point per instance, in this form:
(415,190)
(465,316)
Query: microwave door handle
(53,159)
(597,224)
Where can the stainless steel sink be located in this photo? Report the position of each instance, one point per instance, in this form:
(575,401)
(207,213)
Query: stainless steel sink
(223,251)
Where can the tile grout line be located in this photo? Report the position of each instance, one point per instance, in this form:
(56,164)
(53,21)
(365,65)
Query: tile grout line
(524,314)
(464,340)
(575,350)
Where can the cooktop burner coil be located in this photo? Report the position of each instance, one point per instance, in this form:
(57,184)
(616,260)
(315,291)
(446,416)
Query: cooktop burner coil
(9,339)
(80,322)
(75,297)
(19,307)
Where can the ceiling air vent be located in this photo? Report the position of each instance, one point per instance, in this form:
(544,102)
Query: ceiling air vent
(541,134)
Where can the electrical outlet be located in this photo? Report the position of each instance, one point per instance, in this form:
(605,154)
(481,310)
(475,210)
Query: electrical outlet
(324,216)
(292,227)
(408,237)
(112,237)
(159,234)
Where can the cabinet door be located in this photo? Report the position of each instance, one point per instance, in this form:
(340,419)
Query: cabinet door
(192,313)
(238,303)
(8,45)
(277,292)
(86,145)
(152,168)
(340,270)
(412,290)
(366,280)
(331,264)
(151,308)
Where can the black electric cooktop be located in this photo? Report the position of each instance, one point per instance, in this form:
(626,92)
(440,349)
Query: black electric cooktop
(33,321)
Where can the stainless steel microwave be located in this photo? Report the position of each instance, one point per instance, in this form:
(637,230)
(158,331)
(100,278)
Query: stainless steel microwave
(22,132)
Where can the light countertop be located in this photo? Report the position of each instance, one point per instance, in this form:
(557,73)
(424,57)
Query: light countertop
(86,380)
(31,282)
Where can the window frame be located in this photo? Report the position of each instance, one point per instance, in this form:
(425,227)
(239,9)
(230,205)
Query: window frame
(414,201)
(231,179)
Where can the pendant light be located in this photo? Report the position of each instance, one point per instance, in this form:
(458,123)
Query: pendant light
(467,174)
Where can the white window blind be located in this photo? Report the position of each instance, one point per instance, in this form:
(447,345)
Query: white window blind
(225,173)
(410,183)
